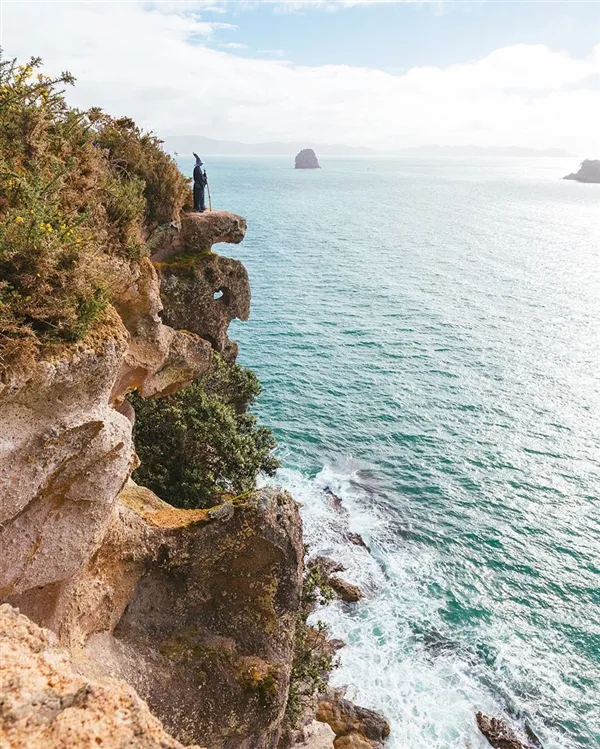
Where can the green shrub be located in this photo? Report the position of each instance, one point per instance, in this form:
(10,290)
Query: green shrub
(75,189)
(138,155)
(201,442)
(313,656)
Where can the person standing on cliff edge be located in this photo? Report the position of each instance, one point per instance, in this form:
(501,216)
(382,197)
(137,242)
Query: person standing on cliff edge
(200,181)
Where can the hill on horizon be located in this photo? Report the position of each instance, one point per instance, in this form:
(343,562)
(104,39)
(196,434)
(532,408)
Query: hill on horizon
(182,144)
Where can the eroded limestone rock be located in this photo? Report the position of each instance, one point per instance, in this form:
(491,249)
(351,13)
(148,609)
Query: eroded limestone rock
(45,704)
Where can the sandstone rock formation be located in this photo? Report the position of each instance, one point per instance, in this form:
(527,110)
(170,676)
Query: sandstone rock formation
(307,159)
(196,610)
(354,726)
(178,603)
(55,510)
(196,234)
(589,171)
(191,611)
(45,704)
(204,297)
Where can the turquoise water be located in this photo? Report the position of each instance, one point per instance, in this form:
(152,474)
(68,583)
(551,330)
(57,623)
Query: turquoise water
(427,336)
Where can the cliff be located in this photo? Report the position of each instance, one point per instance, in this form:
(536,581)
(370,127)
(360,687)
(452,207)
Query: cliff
(589,171)
(307,159)
(198,610)
(128,621)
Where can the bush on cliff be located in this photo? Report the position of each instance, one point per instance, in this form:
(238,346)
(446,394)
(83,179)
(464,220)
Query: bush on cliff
(313,654)
(201,442)
(76,188)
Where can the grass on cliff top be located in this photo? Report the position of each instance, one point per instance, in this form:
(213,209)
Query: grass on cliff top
(77,188)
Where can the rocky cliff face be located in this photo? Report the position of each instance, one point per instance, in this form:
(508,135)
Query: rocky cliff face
(191,607)
(193,611)
(307,159)
(44,702)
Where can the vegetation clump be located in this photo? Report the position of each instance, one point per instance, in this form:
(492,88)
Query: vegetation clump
(201,442)
(314,657)
(77,190)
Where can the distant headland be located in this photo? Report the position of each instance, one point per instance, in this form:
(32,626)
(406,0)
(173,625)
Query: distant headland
(183,144)
(307,159)
(589,171)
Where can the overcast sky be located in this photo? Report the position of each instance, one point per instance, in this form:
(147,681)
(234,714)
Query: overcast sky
(355,72)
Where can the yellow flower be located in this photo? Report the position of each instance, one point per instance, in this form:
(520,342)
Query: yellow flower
(62,227)
(19,219)
(78,241)
(48,228)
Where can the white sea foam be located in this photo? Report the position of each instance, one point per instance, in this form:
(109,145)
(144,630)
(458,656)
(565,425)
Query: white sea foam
(429,688)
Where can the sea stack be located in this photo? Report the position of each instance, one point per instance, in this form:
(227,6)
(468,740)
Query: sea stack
(307,159)
(589,171)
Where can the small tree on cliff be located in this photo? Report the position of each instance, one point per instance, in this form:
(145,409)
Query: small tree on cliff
(201,442)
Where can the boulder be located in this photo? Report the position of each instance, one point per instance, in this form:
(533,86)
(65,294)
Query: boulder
(315,735)
(46,704)
(307,159)
(354,726)
(589,171)
(500,735)
(344,590)
(325,569)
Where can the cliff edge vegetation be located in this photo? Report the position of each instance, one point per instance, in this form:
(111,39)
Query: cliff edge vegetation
(202,443)
(78,189)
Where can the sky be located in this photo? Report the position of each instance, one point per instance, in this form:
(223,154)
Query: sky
(357,72)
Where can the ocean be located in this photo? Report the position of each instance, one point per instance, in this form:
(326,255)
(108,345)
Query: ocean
(427,335)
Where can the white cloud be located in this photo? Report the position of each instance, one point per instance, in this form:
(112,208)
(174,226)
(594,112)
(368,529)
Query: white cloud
(279,53)
(150,63)
(233,45)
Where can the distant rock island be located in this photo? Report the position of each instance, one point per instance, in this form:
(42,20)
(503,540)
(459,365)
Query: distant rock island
(307,159)
(589,171)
